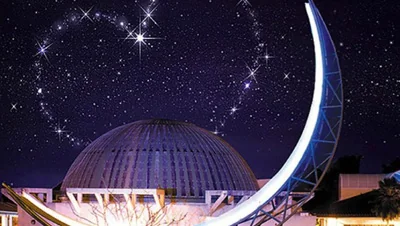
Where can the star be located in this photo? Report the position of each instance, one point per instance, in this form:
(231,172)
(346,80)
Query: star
(130,35)
(40,91)
(252,74)
(233,110)
(216,132)
(149,15)
(140,38)
(267,57)
(86,14)
(59,130)
(13,107)
(244,2)
(247,85)
(286,75)
(42,50)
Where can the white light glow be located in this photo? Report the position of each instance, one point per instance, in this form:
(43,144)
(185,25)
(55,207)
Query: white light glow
(275,184)
(140,38)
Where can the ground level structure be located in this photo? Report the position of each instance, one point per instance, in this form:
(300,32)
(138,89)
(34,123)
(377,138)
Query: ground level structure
(357,192)
(141,206)
(130,207)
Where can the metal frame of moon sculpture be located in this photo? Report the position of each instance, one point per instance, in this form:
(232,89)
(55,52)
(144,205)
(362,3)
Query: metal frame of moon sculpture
(315,149)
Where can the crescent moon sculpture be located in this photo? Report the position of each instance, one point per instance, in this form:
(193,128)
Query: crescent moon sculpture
(315,148)
(312,154)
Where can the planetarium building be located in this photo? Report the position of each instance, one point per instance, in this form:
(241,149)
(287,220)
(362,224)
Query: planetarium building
(181,158)
(150,172)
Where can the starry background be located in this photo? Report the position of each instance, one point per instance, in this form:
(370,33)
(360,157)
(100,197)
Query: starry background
(92,77)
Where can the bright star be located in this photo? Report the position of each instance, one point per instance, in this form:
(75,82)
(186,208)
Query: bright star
(252,74)
(247,85)
(59,130)
(86,14)
(233,110)
(139,37)
(148,15)
(286,76)
(267,57)
(14,107)
(42,50)
(40,91)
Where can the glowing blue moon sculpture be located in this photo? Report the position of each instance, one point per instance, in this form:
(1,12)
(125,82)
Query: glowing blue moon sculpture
(315,148)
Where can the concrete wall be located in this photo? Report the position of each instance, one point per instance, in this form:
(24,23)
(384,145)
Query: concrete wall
(24,218)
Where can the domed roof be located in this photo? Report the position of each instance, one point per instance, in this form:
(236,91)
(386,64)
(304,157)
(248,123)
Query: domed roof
(180,157)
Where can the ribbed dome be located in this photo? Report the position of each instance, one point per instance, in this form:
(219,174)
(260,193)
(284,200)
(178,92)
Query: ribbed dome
(180,157)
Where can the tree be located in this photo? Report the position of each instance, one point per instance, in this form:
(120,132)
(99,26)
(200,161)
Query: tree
(387,203)
(117,211)
(392,166)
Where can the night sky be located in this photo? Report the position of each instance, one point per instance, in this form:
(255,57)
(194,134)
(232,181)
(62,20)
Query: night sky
(73,70)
